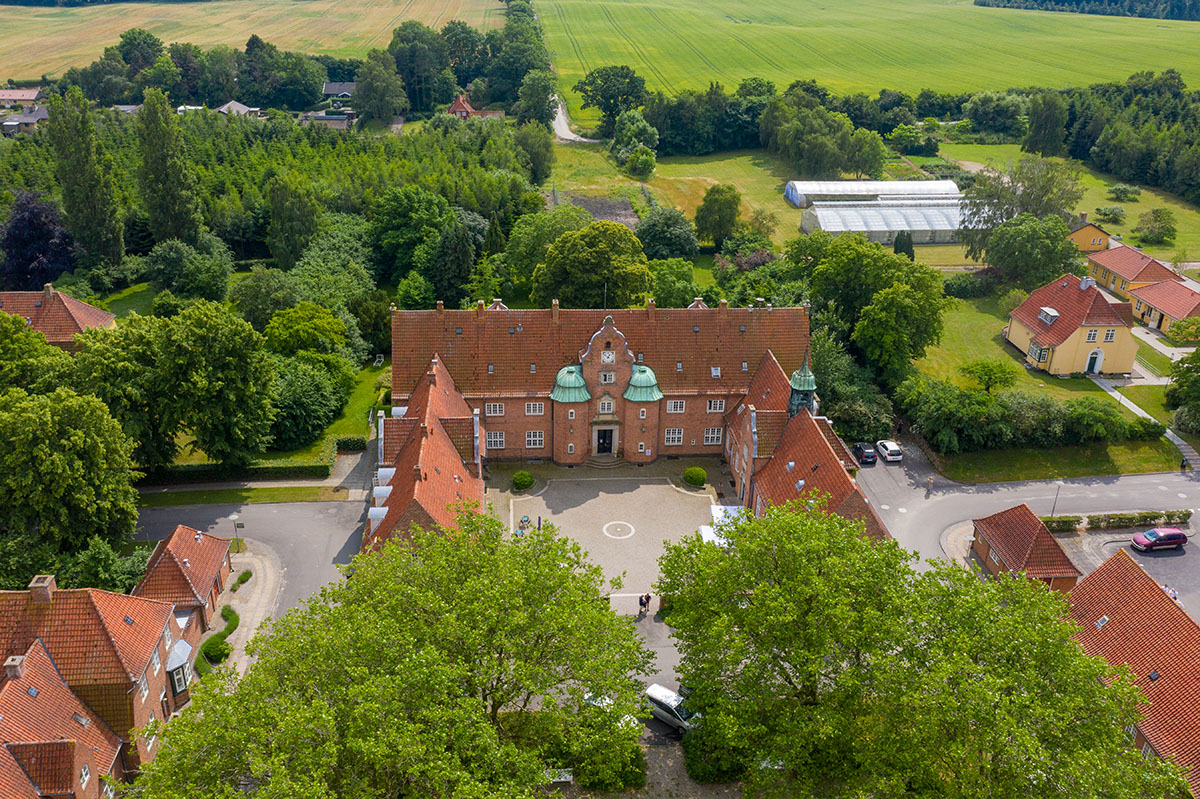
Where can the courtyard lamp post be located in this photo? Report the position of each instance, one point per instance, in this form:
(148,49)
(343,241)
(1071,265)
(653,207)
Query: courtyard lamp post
(1054,507)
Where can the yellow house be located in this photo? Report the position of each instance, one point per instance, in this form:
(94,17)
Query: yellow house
(1120,269)
(1088,236)
(1160,304)
(1069,326)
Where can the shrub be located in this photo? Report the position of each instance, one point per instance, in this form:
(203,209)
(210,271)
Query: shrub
(1110,215)
(641,162)
(629,774)
(216,648)
(202,666)
(695,476)
(1177,516)
(232,620)
(522,480)
(708,758)
(1061,524)
(969,285)
(1124,193)
(1142,429)
(351,443)
(242,578)
(1010,301)
(306,401)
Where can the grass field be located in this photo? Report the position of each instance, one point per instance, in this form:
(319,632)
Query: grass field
(137,297)
(950,45)
(46,40)
(240,496)
(1095,185)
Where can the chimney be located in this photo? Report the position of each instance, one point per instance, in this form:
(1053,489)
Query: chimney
(199,536)
(650,308)
(48,290)
(14,667)
(417,472)
(479,308)
(187,563)
(424,430)
(1083,217)
(554,312)
(441,306)
(723,308)
(42,588)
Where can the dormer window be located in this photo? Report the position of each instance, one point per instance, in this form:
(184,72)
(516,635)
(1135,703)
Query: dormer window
(1048,315)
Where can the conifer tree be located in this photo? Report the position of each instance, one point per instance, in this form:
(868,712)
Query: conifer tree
(165,177)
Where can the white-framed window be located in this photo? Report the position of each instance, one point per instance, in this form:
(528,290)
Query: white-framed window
(716,406)
(493,409)
(109,791)
(1138,307)
(491,368)
(1038,353)
(150,739)
(1147,750)
(673,436)
(641,446)
(676,406)
(642,413)
(1122,285)
(1110,335)
(606,406)
(1131,731)
(85,774)
(570,449)
(716,371)
(679,366)
(570,413)
(535,439)
(608,378)
(639,357)
(495,439)
(144,686)
(745,366)
(535,408)
(533,368)
(155,660)
(992,557)
(179,680)
(712,435)
(1091,335)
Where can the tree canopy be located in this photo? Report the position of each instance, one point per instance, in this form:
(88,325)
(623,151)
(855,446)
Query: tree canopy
(599,266)
(1035,186)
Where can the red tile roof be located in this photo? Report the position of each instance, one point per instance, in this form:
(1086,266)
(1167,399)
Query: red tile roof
(85,631)
(1024,544)
(14,782)
(1076,307)
(470,341)
(184,567)
(804,463)
(39,713)
(433,470)
(54,314)
(1132,264)
(1149,632)
(1174,299)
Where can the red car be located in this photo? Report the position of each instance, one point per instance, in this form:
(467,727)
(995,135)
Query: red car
(1160,538)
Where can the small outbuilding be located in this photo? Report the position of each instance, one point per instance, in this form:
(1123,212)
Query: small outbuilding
(1016,540)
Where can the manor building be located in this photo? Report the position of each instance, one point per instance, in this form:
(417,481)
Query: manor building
(573,386)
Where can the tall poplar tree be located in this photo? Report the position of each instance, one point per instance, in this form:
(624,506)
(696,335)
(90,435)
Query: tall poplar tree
(85,172)
(294,217)
(164,177)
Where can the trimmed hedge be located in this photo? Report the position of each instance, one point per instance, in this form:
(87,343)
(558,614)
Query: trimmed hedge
(1062,524)
(242,578)
(522,480)
(350,443)
(1115,521)
(216,648)
(319,468)
(695,476)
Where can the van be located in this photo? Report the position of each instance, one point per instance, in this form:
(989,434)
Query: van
(668,707)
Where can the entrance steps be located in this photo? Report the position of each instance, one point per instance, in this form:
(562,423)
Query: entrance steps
(604,462)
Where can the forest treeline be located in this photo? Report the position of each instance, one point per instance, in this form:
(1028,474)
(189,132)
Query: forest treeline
(1162,9)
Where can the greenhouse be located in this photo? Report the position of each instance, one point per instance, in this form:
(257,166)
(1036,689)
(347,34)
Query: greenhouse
(802,193)
(932,221)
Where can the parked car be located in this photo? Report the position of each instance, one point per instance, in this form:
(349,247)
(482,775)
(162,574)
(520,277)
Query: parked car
(863,452)
(668,707)
(1160,538)
(889,450)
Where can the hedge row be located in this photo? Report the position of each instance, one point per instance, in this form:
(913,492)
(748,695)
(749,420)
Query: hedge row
(350,443)
(1115,521)
(318,468)
(215,648)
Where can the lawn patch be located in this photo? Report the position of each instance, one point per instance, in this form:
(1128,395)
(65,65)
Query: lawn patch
(136,298)
(244,496)
(1127,457)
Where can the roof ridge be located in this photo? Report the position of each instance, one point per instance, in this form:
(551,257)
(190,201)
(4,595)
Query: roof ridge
(107,634)
(54,665)
(183,571)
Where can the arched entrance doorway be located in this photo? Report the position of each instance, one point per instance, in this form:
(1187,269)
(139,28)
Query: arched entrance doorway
(1095,362)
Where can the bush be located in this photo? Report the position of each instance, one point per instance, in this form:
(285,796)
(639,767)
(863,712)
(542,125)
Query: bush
(1061,524)
(306,402)
(1010,301)
(242,578)
(201,666)
(710,759)
(1177,516)
(216,649)
(232,620)
(969,285)
(629,775)
(695,476)
(1124,193)
(641,162)
(522,480)
(351,443)
(1142,429)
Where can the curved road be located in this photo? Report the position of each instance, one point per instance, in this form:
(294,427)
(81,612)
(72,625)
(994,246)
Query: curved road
(562,127)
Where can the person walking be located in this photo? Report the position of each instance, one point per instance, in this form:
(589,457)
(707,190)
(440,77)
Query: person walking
(646,603)
(641,605)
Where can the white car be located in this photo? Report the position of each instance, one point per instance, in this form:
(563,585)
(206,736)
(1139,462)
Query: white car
(668,707)
(889,450)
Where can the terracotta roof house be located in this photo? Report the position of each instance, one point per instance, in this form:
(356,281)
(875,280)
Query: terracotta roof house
(1160,305)
(189,569)
(1088,236)
(51,743)
(462,108)
(116,652)
(56,315)
(1069,326)
(1016,540)
(1128,619)
(1120,269)
(11,97)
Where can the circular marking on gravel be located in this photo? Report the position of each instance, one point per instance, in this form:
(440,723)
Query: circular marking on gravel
(902,510)
(886,507)
(618,530)
(1182,496)
(1163,488)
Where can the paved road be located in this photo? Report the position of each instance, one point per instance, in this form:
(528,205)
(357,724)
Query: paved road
(310,538)
(562,127)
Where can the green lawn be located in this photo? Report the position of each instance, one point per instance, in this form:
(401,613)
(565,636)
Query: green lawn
(1129,457)
(943,255)
(246,496)
(1154,359)
(702,270)
(948,45)
(137,297)
(1152,400)
(1095,185)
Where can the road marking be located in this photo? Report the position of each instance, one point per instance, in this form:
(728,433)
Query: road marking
(619,529)
(902,510)
(886,507)
(1182,496)
(1162,488)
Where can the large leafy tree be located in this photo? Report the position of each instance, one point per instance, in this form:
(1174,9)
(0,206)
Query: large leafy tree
(674,283)
(1047,125)
(165,176)
(295,215)
(67,470)
(379,89)
(1037,186)
(85,173)
(306,326)
(612,89)
(1032,251)
(823,662)
(187,271)
(536,145)
(258,295)
(27,360)
(139,48)
(36,245)
(599,266)
(667,233)
(718,213)
(472,682)
(538,101)
(408,218)
(447,266)
(533,234)
(901,321)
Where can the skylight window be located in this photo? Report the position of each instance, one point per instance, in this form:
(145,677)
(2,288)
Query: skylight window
(1100,622)
(32,691)
(129,621)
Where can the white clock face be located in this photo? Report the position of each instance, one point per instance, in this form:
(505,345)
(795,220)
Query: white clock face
(607,356)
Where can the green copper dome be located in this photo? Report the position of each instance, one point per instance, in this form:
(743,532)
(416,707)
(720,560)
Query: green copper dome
(569,385)
(803,379)
(643,385)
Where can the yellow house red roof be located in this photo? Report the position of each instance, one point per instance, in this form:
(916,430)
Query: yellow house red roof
(1132,264)
(1077,303)
(1174,299)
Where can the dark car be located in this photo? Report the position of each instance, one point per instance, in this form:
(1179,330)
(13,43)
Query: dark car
(864,452)
(1160,538)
